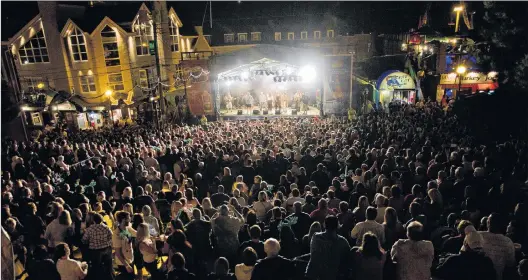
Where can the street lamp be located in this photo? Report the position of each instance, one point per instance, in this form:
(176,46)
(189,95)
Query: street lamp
(457,10)
(108,92)
(40,85)
(461,69)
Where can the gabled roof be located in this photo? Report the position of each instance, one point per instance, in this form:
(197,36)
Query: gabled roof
(107,21)
(23,29)
(121,13)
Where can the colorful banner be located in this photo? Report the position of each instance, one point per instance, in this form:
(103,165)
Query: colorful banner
(198,87)
(338,77)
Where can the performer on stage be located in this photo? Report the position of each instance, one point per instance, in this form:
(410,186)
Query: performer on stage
(229,101)
(262,100)
(277,101)
(304,103)
(270,101)
(249,102)
(284,100)
(297,100)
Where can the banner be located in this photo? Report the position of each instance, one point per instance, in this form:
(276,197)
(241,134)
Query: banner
(198,87)
(469,78)
(338,77)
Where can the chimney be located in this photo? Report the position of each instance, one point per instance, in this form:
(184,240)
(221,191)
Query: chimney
(48,12)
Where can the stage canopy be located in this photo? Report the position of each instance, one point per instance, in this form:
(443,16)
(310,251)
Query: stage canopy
(267,55)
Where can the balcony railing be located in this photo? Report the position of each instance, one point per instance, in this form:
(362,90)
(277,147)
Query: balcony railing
(196,55)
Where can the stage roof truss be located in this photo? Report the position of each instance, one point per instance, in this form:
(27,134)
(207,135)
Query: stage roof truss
(263,64)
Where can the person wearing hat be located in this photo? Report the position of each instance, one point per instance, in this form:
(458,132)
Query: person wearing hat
(470,263)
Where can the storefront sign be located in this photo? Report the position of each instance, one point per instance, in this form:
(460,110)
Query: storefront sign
(395,81)
(198,87)
(469,78)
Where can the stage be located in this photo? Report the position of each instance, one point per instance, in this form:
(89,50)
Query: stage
(288,112)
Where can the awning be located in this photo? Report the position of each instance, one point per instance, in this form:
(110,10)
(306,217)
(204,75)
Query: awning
(82,105)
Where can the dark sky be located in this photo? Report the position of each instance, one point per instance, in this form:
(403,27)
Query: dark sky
(384,17)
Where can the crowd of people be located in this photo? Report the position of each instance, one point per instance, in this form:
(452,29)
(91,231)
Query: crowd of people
(403,194)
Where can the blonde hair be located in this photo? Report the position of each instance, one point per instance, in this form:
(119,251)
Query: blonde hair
(435,196)
(142,233)
(128,208)
(127,192)
(206,203)
(175,207)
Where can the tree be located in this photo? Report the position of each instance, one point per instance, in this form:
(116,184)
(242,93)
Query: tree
(504,46)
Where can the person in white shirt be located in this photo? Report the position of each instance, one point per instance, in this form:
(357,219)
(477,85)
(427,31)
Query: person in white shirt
(369,225)
(122,244)
(498,248)
(413,256)
(295,196)
(69,269)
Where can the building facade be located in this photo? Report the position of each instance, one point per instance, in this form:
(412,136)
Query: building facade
(101,55)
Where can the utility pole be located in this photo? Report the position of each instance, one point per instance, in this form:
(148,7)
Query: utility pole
(156,16)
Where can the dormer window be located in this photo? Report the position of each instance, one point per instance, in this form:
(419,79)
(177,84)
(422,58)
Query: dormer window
(35,50)
(78,45)
(110,47)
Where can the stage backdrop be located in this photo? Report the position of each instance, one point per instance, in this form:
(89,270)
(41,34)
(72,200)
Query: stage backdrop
(198,86)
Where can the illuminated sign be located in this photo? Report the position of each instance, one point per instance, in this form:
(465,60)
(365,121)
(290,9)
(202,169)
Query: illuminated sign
(395,81)
(468,78)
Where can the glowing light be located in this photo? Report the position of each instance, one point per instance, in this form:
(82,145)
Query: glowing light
(144,45)
(40,86)
(228,83)
(307,73)
(24,108)
(108,92)
(245,75)
(90,73)
(458,9)
(492,74)
(26,62)
(461,69)
(151,98)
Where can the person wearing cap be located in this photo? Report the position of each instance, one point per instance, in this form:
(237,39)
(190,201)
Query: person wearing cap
(470,263)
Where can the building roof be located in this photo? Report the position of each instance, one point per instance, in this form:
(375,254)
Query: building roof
(121,13)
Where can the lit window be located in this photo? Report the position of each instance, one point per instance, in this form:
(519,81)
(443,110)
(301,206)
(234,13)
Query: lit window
(242,37)
(78,45)
(304,35)
(115,81)
(142,45)
(146,78)
(110,47)
(173,35)
(291,36)
(87,83)
(329,34)
(278,36)
(317,34)
(34,51)
(31,83)
(144,35)
(229,38)
(255,36)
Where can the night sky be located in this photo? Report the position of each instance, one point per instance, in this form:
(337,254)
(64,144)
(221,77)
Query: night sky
(383,17)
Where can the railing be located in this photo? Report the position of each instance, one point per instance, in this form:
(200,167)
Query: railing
(196,55)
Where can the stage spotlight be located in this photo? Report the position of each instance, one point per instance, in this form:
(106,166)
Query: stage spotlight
(307,72)
(245,75)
